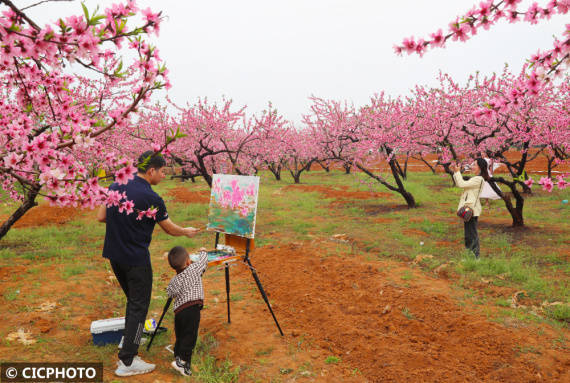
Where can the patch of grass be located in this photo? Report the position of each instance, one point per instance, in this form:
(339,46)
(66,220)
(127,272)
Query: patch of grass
(503,302)
(407,276)
(208,370)
(560,343)
(332,359)
(559,312)
(510,270)
(329,228)
(264,351)
(526,350)
(73,269)
(11,294)
(435,228)
(302,227)
(236,297)
(406,312)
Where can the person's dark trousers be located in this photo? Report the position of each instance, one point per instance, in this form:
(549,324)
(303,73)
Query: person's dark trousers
(471,236)
(136,282)
(186,323)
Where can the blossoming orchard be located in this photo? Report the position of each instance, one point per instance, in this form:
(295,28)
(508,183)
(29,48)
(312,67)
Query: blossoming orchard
(83,96)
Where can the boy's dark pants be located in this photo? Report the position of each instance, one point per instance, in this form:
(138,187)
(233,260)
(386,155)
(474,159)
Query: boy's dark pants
(186,323)
(471,236)
(136,282)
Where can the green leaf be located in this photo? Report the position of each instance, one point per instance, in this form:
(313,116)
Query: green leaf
(85,12)
(95,20)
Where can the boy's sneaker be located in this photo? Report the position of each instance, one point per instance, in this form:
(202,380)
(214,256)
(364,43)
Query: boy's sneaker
(182,366)
(138,366)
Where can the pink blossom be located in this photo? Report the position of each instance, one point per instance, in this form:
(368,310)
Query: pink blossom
(409,45)
(529,182)
(127,207)
(114,198)
(546,184)
(121,177)
(151,213)
(561,182)
(12,160)
(437,39)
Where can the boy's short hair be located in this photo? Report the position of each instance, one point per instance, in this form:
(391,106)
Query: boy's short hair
(177,257)
(150,159)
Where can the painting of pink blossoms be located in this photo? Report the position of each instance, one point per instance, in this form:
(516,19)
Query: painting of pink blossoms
(233,204)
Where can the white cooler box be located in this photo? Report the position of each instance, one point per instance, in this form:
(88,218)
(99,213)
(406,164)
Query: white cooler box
(107,331)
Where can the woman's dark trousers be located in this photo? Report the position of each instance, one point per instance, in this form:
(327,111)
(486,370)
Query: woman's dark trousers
(471,236)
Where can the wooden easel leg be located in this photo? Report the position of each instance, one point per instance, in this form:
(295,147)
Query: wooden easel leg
(263,295)
(227,269)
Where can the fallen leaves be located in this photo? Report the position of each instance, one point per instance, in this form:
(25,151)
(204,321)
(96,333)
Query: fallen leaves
(21,336)
(47,306)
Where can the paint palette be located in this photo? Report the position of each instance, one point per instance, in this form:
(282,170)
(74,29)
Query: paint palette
(216,257)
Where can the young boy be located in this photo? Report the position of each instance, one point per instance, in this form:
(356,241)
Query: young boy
(188,293)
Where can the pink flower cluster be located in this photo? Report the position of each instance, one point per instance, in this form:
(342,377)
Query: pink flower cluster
(547,183)
(552,62)
(57,127)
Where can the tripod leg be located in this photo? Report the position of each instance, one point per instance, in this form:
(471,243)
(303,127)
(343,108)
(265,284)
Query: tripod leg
(228,289)
(263,295)
(159,322)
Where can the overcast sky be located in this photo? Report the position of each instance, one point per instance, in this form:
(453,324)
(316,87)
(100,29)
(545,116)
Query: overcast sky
(255,51)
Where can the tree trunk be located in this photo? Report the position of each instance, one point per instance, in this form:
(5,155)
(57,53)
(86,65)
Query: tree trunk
(515,211)
(326,168)
(550,167)
(396,170)
(276,170)
(296,176)
(29,202)
(347,168)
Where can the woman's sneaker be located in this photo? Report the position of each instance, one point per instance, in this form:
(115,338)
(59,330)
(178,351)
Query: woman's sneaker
(182,366)
(138,366)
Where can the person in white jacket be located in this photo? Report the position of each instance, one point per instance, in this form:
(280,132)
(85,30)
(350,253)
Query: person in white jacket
(471,197)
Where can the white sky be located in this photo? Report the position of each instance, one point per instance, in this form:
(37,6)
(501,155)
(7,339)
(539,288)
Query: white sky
(255,51)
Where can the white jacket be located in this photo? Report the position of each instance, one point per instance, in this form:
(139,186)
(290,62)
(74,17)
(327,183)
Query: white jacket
(471,193)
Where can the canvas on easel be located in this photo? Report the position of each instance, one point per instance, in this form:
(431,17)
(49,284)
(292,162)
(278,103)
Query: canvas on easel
(233,204)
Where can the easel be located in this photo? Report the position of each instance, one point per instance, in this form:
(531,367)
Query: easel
(238,243)
(243,243)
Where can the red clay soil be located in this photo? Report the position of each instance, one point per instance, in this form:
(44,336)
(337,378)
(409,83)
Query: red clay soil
(45,214)
(182,194)
(339,194)
(394,332)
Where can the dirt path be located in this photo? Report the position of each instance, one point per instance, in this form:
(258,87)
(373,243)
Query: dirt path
(383,331)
